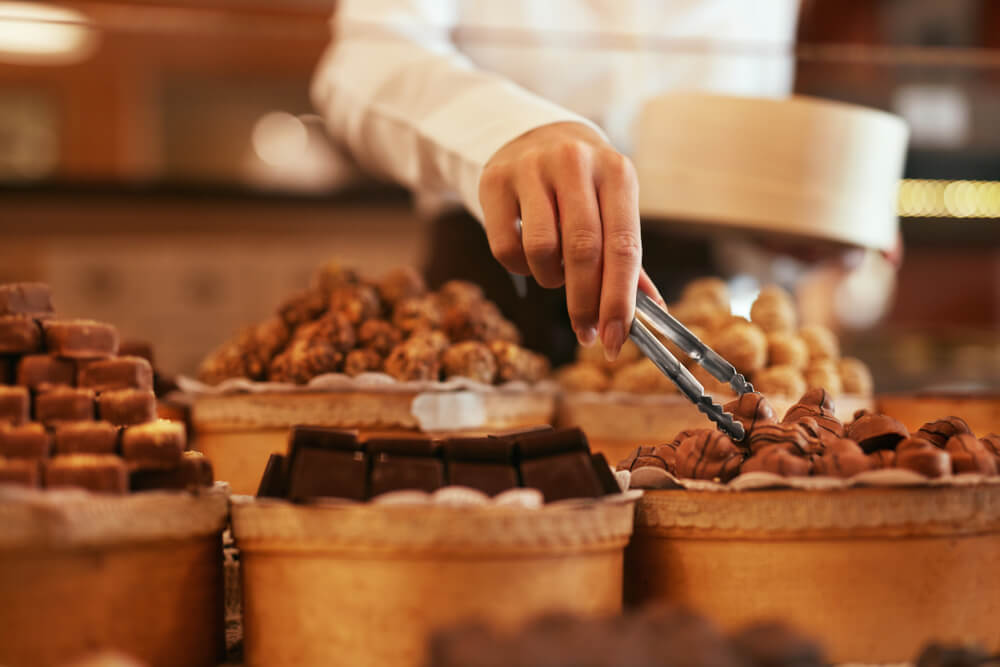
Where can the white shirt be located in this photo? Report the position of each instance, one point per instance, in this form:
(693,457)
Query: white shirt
(426,91)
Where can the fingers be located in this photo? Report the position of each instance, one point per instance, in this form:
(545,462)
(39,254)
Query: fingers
(539,230)
(618,193)
(501,219)
(647,286)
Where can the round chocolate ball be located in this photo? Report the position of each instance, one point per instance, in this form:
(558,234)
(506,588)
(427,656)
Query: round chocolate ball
(970,455)
(642,377)
(822,342)
(470,359)
(712,290)
(939,432)
(751,410)
(743,344)
(855,377)
(842,458)
(779,461)
(922,457)
(874,432)
(773,310)
(823,374)
(708,454)
(784,381)
(785,348)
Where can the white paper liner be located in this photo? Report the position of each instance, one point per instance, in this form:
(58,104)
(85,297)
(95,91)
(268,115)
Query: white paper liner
(33,518)
(420,522)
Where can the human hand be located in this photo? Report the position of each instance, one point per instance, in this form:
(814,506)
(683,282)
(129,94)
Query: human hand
(562,205)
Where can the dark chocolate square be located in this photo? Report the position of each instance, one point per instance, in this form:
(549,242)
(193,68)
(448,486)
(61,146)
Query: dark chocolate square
(321,437)
(274,481)
(336,473)
(484,450)
(490,478)
(568,475)
(604,475)
(548,443)
(402,473)
(417,446)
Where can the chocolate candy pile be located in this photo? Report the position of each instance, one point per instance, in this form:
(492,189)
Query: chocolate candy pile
(326,462)
(343,324)
(779,357)
(810,440)
(655,636)
(73,414)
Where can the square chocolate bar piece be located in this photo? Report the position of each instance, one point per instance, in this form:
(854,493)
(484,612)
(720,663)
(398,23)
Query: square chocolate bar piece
(333,473)
(19,334)
(42,372)
(80,339)
(405,464)
(126,407)
(274,481)
(116,373)
(485,464)
(15,405)
(86,438)
(558,464)
(193,471)
(22,472)
(158,444)
(25,299)
(27,441)
(100,473)
(64,404)
(609,484)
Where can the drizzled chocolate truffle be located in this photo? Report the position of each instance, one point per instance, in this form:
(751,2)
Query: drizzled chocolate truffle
(777,460)
(992,443)
(939,432)
(882,458)
(970,455)
(751,410)
(708,454)
(656,456)
(842,458)
(874,432)
(790,437)
(921,456)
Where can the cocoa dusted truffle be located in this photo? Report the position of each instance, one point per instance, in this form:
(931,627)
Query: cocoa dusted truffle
(779,381)
(708,454)
(939,432)
(417,314)
(380,336)
(823,374)
(400,284)
(516,363)
(642,377)
(842,458)
(743,344)
(855,377)
(355,302)
(413,361)
(777,460)
(822,342)
(790,437)
(303,307)
(362,360)
(751,410)
(656,456)
(773,310)
(785,348)
(922,457)
(470,359)
(970,455)
(582,376)
(874,432)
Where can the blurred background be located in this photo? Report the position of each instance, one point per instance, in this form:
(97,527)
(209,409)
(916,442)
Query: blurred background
(161,169)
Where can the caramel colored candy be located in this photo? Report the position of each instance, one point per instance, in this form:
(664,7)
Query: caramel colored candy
(516,363)
(409,362)
(64,404)
(842,458)
(362,360)
(992,443)
(400,284)
(333,329)
(742,344)
(642,377)
(431,339)
(855,377)
(939,432)
(874,432)
(712,290)
(751,410)
(194,470)
(42,372)
(27,441)
(882,458)
(773,310)
(356,302)
(227,361)
(656,456)
(791,437)
(125,407)
(460,293)
(116,373)
(708,454)
(822,342)
(785,348)
(22,472)
(380,336)
(80,339)
(823,374)
(303,307)
(332,275)
(158,444)
(582,376)
(779,381)
(86,438)
(417,314)
(702,313)
(15,405)
(25,299)
(470,359)
(970,455)
(812,402)
(480,321)
(93,472)
(269,338)
(921,456)
(19,334)
(777,460)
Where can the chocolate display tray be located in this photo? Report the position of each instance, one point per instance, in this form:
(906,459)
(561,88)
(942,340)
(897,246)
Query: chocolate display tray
(980,411)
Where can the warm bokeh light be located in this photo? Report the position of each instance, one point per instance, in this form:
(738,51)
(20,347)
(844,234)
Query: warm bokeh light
(949,199)
(38,33)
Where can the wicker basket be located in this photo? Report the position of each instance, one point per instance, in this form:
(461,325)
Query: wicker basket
(140,574)
(872,573)
(365,584)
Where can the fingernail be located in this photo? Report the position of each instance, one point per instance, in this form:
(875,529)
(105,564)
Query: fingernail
(614,337)
(587,336)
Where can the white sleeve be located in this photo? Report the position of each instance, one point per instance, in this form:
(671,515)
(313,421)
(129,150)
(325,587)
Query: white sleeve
(408,105)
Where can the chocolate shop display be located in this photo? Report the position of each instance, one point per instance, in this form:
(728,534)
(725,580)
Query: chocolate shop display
(869,537)
(629,401)
(417,534)
(386,357)
(78,433)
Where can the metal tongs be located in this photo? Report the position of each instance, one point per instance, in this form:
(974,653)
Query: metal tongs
(650,314)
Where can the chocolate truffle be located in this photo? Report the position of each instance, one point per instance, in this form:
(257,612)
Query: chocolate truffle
(65,404)
(124,407)
(97,437)
(19,335)
(430,338)
(939,432)
(992,443)
(779,381)
(15,405)
(304,360)
(42,372)
(855,377)
(790,437)
(269,337)
(842,458)
(27,441)
(459,293)
(413,361)
(417,314)
(823,374)
(116,373)
(773,310)
(814,401)
(642,377)
(470,359)
(777,460)
(303,307)
(701,312)
(93,472)
(656,456)
(380,336)
(743,344)
(785,348)
(751,410)
(874,432)
(80,339)
(970,455)
(332,275)
(822,342)
(355,302)
(158,444)
(582,376)
(882,458)
(921,456)
(710,289)
(333,329)
(400,284)
(362,360)
(23,472)
(25,299)
(516,363)
(708,454)
(822,434)
(480,321)
(225,362)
